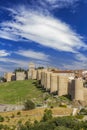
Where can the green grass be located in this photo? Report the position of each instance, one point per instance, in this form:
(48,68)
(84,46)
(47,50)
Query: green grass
(18,91)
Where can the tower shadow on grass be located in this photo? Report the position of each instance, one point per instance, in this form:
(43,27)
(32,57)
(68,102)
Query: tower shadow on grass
(38,85)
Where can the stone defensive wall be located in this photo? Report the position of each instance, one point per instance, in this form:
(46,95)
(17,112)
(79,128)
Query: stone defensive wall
(53,81)
(61,84)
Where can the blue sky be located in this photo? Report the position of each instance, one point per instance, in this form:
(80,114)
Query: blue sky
(47,32)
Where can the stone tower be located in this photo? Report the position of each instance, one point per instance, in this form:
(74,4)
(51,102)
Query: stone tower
(77,87)
(31,69)
(63,85)
(31,66)
(48,80)
(53,83)
(39,74)
(20,75)
(43,78)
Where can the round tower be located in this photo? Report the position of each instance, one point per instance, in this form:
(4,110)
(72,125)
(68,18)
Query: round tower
(53,83)
(39,74)
(43,78)
(31,66)
(78,89)
(48,80)
(63,85)
(34,74)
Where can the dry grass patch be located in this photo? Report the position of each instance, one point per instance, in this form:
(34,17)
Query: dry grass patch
(12,118)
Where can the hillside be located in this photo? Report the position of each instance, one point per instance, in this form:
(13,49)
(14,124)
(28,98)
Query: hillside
(35,114)
(17,92)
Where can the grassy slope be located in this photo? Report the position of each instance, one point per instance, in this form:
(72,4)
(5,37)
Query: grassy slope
(17,91)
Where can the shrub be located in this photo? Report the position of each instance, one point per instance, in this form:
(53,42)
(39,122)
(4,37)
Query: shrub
(51,107)
(63,105)
(29,105)
(47,115)
(1,118)
(83,112)
(18,113)
(79,116)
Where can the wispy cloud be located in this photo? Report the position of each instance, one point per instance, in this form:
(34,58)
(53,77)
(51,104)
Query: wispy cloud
(14,62)
(4,53)
(80,62)
(10,64)
(61,3)
(33,54)
(44,30)
(49,5)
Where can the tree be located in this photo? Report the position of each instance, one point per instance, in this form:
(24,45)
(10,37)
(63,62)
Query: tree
(40,67)
(1,118)
(47,115)
(19,70)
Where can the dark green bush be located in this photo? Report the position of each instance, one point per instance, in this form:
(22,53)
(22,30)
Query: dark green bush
(80,116)
(47,115)
(1,118)
(83,112)
(29,105)
(18,113)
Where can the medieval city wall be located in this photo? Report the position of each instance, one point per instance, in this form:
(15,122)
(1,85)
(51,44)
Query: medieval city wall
(60,82)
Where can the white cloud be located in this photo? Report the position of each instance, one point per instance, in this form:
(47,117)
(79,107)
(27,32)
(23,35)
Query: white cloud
(61,3)
(53,4)
(15,62)
(80,62)
(47,5)
(80,57)
(10,64)
(33,54)
(3,53)
(44,30)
